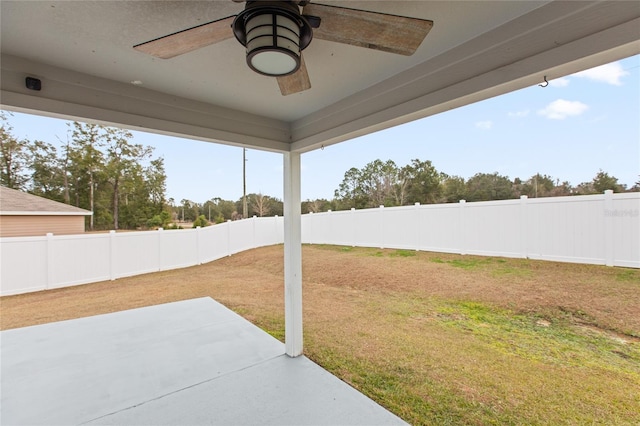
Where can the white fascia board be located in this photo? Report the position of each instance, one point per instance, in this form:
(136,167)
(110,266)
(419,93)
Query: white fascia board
(75,96)
(17,213)
(561,40)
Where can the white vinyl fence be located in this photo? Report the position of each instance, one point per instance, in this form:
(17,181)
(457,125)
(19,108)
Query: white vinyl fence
(597,229)
(39,263)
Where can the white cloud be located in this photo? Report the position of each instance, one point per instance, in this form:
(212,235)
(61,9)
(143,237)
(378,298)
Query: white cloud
(608,73)
(484,125)
(561,109)
(560,82)
(518,114)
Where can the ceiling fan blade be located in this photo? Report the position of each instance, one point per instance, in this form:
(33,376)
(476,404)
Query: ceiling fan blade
(188,40)
(373,30)
(296,82)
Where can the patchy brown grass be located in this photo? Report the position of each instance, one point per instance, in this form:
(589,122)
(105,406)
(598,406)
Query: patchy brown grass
(436,338)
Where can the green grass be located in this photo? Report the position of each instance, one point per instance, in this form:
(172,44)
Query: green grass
(556,341)
(452,362)
(402,253)
(628,275)
(494,358)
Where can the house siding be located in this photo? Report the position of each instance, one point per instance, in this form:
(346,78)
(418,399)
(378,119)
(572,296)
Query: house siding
(39,225)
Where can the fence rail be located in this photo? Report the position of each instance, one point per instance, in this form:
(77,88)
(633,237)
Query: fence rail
(597,229)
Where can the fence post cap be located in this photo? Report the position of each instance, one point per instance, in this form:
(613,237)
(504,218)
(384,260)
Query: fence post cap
(523,197)
(608,191)
(463,201)
(416,204)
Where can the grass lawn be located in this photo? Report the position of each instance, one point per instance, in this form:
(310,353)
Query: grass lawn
(436,338)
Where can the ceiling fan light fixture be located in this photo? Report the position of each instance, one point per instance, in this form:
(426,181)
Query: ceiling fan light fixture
(273,44)
(274,33)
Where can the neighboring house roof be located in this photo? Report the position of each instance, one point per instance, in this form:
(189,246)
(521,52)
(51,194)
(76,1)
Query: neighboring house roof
(13,202)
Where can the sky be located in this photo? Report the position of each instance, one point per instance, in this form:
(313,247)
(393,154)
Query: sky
(569,130)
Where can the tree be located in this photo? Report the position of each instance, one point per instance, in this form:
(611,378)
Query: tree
(423,181)
(453,189)
(224,209)
(562,189)
(485,187)
(602,182)
(88,161)
(161,220)
(585,188)
(349,193)
(156,182)
(14,157)
(122,156)
(537,186)
(377,183)
(190,210)
(47,172)
(260,204)
(200,221)
(316,206)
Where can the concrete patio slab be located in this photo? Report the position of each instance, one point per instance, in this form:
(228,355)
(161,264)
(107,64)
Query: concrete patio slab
(189,362)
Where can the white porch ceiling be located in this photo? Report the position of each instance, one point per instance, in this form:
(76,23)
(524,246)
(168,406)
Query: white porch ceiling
(82,52)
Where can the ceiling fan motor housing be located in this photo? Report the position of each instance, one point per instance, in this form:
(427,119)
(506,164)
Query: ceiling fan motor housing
(274,33)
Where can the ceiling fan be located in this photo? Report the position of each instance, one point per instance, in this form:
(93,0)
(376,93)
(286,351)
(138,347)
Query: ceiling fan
(275,32)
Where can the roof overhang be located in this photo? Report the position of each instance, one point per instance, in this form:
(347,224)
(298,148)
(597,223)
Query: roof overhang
(28,213)
(514,45)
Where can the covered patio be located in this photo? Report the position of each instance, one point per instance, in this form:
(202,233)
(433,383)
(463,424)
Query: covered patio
(188,362)
(76,60)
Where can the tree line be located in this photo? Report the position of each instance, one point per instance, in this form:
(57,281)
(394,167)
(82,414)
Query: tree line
(384,183)
(96,168)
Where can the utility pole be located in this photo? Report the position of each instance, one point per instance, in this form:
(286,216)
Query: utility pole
(244,183)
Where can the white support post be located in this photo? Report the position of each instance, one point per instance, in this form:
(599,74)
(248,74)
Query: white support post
(292,255)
